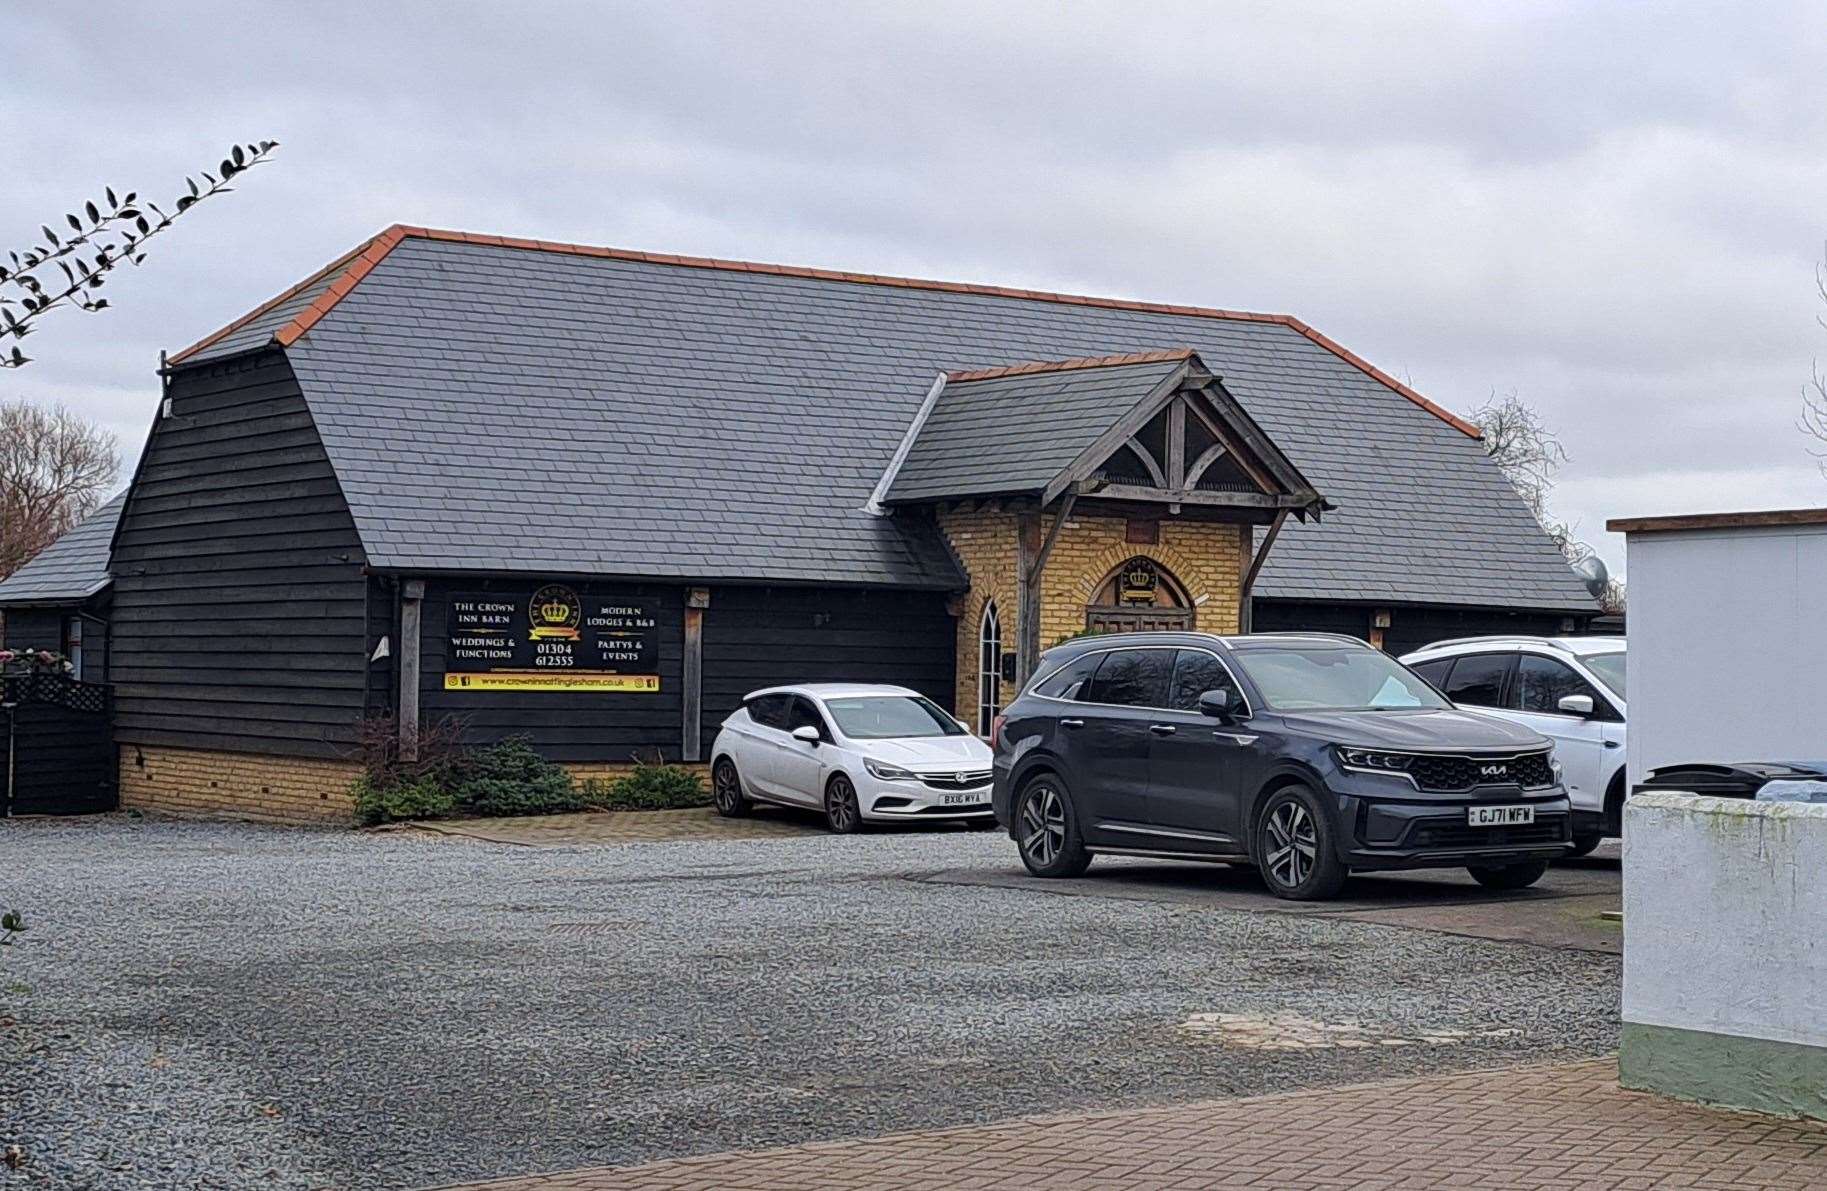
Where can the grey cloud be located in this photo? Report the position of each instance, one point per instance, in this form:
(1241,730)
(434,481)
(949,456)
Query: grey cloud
(1612,209)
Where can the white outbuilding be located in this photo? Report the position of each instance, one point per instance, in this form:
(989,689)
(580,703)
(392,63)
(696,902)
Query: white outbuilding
(1728,637)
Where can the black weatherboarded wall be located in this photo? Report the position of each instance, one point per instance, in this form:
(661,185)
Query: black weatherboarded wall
(764,636)
(753,637)
(1410,627)
(239,592)
(565,725)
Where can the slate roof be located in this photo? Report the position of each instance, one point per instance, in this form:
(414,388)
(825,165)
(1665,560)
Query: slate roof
(1014,432)
(72,568)
(513,406)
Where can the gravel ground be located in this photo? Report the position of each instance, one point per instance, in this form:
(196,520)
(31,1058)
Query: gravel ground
(204,1005)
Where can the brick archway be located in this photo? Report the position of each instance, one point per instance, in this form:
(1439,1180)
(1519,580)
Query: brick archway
(1167,604)
(1101,566)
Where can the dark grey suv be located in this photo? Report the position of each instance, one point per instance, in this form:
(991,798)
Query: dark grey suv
(1310,756)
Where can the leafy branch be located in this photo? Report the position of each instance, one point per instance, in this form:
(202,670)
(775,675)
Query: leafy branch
(101,236)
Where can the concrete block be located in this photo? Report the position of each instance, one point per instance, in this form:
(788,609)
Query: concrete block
(1725,951)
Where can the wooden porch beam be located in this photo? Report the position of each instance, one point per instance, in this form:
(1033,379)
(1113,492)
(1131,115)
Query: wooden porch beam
(1196,496)
(1032,553)
(1248,585)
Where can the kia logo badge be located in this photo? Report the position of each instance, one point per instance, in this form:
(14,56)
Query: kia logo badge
(1494,770)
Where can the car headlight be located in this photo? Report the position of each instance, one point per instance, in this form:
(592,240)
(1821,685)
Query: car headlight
(887,772)
(1353,758)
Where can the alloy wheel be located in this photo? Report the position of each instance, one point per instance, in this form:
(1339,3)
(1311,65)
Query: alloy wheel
(1293,843)
(841,807)
(725,788)
(1043,825)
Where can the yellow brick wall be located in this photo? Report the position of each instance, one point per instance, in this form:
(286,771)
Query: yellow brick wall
(268,788)
(237,785)
(1206,557)
(984,540)
(608,771)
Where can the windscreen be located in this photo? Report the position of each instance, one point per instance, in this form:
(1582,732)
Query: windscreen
(1333,678)
(886,717)
(1610,669)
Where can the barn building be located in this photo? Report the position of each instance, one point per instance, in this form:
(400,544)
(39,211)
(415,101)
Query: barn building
(595,496)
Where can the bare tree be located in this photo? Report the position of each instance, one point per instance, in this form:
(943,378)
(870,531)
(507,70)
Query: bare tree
(65,270)
(55,468)
(1530,456)
(1814,396)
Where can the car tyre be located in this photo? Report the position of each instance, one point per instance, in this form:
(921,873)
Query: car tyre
(1583,845)
(1511,876)
(843,815)
(726,790)
(1294,847)
(1046,829)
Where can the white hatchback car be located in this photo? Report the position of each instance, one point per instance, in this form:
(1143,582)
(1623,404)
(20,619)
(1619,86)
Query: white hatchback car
(859,753)
(1570,689)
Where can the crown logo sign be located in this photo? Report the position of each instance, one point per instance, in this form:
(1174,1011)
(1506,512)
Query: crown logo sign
(555,613)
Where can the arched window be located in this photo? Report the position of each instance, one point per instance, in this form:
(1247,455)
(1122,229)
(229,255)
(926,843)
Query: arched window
(989,668)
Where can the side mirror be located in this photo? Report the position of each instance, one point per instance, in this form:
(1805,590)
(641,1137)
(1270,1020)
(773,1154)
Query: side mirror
(807,733)
(1576,704)
(1219,704)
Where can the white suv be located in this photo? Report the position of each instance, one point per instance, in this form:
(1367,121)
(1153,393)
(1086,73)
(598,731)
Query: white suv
(1570,689)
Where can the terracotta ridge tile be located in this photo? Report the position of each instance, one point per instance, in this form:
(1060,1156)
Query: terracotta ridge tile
(1075,365)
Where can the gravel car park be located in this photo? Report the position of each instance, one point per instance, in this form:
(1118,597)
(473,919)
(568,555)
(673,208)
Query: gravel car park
(214,1005)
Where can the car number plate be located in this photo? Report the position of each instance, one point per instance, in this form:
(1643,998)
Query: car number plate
(961,800)
(1499,816)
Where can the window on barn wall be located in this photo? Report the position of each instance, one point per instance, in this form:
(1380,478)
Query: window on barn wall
(72,643)
(989,668)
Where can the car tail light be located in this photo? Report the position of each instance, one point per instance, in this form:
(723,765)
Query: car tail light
(996,731)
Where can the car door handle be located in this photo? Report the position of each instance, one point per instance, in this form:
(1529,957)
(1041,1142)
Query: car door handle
(1612,744)
(1072,723)
(1161,729)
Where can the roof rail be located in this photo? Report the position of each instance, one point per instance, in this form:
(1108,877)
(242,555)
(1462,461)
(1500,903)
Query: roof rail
(1492,639)
(1345,638)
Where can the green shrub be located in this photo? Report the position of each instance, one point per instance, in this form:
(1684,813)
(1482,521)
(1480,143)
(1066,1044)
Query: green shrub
(425,798)
(1084,632)
(511,778)
(652,785)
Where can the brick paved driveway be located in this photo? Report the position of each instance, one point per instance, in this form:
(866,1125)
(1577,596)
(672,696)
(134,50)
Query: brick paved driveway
(1560,1126)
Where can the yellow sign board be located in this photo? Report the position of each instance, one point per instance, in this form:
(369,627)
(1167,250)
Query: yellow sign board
(550,680)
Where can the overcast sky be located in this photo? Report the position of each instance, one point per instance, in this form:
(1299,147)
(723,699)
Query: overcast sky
(1613,210)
